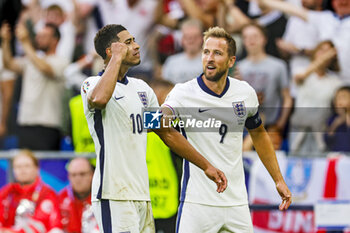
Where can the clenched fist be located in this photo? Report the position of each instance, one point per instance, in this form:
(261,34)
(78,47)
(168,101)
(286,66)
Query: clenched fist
(6,32)
(119,49)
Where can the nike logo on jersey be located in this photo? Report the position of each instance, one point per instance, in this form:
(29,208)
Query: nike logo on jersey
(118,98)
(203,110)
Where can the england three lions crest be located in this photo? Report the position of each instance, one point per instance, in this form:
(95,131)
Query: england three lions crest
(239,108)
(143,98)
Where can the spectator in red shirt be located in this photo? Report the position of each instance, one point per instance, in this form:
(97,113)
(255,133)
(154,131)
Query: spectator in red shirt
(75,199)
(28,205)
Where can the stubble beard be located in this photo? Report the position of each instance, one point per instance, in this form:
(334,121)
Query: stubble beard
(131,64)
(216,77)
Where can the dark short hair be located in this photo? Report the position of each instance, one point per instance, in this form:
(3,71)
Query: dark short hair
(105,37)
(218,32)
(56,31)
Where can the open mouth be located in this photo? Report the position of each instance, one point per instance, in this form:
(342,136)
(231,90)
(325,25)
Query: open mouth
(211,67)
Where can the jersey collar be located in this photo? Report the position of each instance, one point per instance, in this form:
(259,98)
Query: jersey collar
(210,92)
(123,81)
(341,18)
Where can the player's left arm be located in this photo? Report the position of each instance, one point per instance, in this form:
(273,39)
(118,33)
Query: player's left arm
(266,152)
(177,143)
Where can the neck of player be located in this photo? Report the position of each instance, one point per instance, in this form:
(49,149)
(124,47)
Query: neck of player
(122,72)
(217,86)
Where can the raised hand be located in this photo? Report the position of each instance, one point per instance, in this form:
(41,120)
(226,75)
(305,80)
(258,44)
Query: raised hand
(22,33)
(119,49)
(6,32)
(218,177)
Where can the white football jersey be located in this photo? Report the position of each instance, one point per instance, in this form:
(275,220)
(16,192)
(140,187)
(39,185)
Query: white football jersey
(120,141)
(221,145)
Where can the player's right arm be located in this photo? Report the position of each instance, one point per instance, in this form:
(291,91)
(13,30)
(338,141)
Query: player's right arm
(102,93)
(177,143)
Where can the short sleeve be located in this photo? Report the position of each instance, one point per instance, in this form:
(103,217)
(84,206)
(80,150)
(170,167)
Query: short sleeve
(153,101)
(87,86)
(252,103)
(172,100)
(253,119)
(7,75)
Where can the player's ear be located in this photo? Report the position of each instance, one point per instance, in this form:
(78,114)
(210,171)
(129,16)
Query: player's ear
(231,61)
(109,52)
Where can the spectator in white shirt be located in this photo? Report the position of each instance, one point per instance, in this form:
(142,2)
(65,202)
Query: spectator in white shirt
(40,111)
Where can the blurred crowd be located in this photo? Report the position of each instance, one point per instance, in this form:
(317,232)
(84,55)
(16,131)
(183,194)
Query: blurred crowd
(295,54)
(30,205)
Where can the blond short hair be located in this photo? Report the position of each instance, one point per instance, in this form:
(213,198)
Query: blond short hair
(28,153)
(218,32)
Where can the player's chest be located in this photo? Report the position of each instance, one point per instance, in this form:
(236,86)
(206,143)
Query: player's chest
(128,101)
(231,111)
